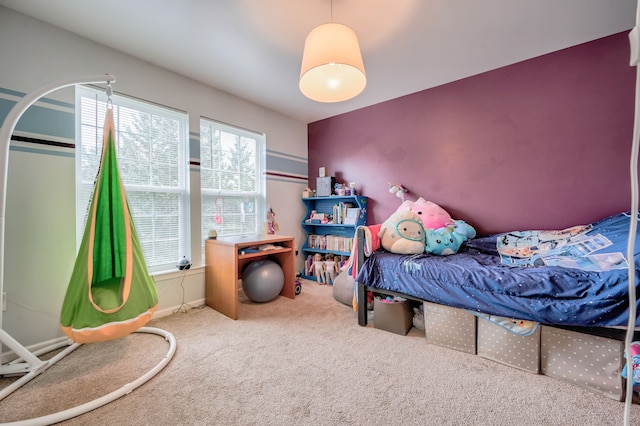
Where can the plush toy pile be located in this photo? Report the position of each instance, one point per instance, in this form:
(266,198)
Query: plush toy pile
(423,227)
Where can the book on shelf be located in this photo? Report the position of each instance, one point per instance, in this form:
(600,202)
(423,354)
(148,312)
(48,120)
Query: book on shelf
(317,241)
(330,242)
(307,265)
(351,217)
(340,212)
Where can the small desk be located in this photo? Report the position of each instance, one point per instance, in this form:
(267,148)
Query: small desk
(225,262)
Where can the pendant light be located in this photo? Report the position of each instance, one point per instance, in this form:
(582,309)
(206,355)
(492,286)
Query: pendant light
(332,69)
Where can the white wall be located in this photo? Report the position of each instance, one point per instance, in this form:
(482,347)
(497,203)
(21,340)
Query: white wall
(40,219)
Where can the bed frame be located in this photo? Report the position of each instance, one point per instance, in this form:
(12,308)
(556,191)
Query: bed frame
(362,289)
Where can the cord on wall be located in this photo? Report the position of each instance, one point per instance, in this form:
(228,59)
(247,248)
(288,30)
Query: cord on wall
(184,307)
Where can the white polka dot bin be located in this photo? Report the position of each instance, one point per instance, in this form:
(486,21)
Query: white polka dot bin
(450,327)
(590,361)
(501,345)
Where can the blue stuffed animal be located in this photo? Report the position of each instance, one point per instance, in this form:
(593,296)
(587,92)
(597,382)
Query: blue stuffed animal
(447,240)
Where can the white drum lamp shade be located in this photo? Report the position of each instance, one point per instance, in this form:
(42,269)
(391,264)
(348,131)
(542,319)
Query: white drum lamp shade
(332,68)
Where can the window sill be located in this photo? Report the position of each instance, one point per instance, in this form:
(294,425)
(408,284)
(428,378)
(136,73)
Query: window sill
(174,273)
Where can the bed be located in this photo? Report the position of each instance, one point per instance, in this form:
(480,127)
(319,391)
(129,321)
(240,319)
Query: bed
(571,281)
(578,279)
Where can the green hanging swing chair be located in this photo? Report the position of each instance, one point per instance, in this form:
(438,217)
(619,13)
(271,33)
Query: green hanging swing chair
(110,293)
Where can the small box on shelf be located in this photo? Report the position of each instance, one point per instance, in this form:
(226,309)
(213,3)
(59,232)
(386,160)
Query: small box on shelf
(324,186)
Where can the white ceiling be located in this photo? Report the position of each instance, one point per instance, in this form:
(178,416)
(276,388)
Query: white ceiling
(252,48)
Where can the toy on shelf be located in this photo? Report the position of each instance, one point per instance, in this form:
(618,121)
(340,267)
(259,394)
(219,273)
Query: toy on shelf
(331,268)
(298,284)
(271,225)
(317,268)
(344,189)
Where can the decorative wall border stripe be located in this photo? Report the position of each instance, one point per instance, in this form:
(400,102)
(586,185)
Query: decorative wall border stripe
(43,142)
(286,155)
(57,119)
(16,96)
(284,175)
(286,165)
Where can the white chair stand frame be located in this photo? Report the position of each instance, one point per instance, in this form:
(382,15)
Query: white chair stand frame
(28,364)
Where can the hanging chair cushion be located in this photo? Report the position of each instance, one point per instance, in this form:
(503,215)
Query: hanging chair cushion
(110,293)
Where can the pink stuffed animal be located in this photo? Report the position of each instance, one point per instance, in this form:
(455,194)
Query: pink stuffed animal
(432,215)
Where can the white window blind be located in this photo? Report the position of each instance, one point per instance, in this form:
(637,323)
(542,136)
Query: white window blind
(151,145)
(232,179)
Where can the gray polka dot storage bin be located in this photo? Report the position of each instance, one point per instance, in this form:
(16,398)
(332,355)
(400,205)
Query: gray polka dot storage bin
(506,347)
(593,362)
(450,327)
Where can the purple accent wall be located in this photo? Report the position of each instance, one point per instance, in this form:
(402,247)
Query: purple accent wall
(541,144)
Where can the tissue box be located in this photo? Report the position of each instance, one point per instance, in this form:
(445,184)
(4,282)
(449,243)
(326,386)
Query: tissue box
(395,317)
(501,345)
(450,327)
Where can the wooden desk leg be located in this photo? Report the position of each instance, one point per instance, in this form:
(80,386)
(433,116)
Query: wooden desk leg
(221,292)
(288,269)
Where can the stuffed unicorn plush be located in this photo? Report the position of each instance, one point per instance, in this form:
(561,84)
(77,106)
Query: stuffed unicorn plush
(398,189)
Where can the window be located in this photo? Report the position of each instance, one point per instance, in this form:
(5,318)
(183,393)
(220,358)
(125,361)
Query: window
(232,180)
(151,145)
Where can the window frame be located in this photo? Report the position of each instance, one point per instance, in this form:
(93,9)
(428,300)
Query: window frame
(157,250)
(207,193)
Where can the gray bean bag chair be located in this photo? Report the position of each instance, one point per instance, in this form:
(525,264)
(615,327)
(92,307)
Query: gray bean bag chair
(343,287)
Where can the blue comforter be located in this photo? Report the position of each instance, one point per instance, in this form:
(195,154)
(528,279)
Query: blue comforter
(479,279)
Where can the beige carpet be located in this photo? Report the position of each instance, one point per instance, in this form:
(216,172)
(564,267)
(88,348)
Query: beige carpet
(301,362)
